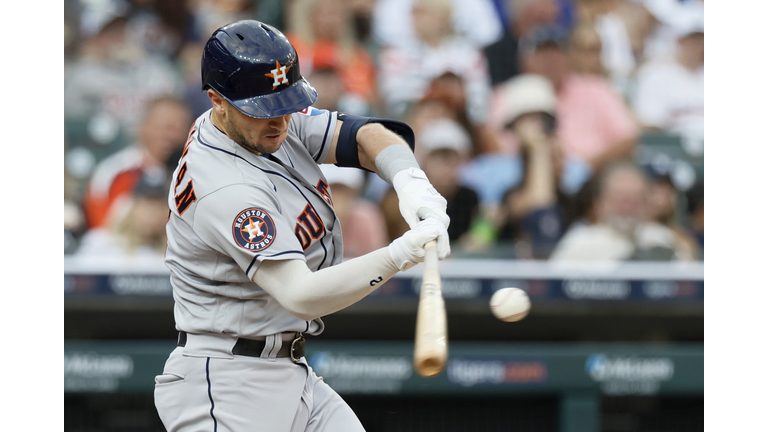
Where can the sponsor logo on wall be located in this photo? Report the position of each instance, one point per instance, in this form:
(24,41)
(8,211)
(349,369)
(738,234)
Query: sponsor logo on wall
(90,372)
(362,374)
(620,375)
(579,289)
(454,288)
(468,373)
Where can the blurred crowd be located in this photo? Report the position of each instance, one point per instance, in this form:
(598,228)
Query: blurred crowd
(556,129)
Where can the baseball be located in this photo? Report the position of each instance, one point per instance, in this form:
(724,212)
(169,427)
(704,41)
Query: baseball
(510,304)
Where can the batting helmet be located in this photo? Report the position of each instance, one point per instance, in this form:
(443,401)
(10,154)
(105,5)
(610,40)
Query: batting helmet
(254,67)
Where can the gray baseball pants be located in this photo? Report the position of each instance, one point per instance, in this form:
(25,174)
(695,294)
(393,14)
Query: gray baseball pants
(204,388)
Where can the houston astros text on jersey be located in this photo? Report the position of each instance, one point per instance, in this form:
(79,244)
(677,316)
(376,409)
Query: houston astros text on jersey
(254,245)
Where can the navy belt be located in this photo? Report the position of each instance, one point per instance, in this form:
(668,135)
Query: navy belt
(253,348)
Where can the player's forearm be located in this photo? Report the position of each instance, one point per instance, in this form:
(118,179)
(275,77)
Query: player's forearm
(310,295)
(372,139)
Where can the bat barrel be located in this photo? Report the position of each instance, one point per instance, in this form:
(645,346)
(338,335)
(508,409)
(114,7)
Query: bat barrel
(430,366)
(431,348)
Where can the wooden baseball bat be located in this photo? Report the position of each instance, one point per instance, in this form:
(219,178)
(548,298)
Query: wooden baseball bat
(431,348)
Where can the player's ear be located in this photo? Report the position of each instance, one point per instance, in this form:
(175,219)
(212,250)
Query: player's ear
(217,101)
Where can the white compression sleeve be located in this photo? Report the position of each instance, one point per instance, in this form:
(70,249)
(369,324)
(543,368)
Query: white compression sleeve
(310,295)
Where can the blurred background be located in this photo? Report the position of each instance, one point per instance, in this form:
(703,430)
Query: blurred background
(566,135)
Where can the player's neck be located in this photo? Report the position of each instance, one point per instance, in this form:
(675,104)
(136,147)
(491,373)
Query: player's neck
(220,125)
(217,122)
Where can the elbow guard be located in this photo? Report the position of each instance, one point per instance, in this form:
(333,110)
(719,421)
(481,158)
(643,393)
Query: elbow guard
(346,147)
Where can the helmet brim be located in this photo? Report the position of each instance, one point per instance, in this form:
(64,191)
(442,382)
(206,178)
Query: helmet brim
(295,98)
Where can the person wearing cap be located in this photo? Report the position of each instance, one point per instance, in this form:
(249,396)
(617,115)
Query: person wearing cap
(669,94)
(535,212)
(593,121)
(522,16)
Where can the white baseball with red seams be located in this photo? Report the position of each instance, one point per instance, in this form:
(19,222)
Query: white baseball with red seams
(510,304)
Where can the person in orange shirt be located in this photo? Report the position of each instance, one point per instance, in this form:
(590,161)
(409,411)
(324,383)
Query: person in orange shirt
(162,132)
(323,34)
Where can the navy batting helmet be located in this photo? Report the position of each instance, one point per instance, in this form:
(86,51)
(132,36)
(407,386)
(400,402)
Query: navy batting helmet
(254,67)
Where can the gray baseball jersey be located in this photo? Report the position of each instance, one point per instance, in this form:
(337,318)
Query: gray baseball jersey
(231,210)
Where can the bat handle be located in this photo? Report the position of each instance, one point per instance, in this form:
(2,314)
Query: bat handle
(430,255)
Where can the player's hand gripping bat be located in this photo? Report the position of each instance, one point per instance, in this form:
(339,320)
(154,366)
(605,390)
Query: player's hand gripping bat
(431,348)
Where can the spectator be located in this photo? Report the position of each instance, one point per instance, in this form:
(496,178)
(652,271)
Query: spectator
(362,17)
(332,96)
(362,223)
(526,93)
(523,16)
(161,135)
(212,14)
(609,18)
(664,208)
(670,93)
(427,110)
(407,71)
(323,33)
(667,16)
(585,51)
(136,233)
(108,87)
(593,122)
(449,90)
(443,146)
(161,26)
(622,230)
(536,212)
(478,21)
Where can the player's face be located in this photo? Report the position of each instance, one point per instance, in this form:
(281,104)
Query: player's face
(260,136)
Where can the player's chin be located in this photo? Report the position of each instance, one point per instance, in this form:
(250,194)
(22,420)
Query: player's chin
(272,142)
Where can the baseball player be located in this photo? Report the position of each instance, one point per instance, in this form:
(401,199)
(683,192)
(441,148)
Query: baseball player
(254,245)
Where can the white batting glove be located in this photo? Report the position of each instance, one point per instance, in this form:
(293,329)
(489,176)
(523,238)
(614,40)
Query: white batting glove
(408,250)
(418,198)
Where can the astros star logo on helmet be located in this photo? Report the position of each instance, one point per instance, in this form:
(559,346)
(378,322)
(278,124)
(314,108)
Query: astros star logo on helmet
(279,74)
